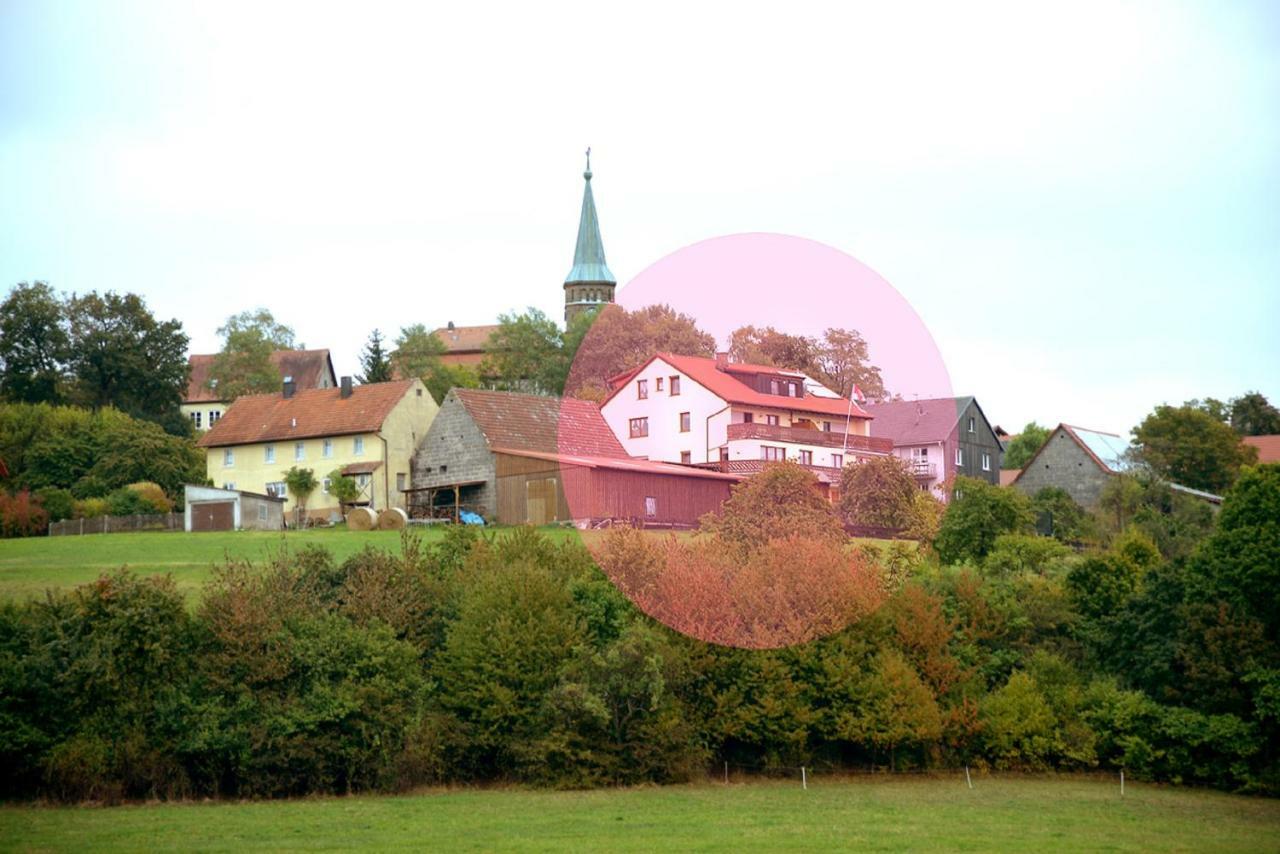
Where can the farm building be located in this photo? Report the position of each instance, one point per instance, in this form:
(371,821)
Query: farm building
(213,509)
(520,458)
(1082,462)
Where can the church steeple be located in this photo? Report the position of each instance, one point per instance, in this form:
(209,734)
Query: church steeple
(589,283)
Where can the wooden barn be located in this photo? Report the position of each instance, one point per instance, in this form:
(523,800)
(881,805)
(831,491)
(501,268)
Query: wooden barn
(517,458)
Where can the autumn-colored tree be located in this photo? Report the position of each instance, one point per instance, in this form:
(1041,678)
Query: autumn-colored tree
(618,340)
(783,500)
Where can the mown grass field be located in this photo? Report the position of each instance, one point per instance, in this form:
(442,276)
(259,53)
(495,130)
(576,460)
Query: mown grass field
(30,566)
(875,814)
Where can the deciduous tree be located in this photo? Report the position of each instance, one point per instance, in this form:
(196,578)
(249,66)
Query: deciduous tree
(1188,446)
(243,365)
(34,346)
(1023,446)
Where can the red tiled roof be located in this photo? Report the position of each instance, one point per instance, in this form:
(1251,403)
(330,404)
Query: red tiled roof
(705,372)
(917,422)
(634,464)
(308,414)
(309,369)
(1268,447)
(1008,476)
(465,339)
(530,422)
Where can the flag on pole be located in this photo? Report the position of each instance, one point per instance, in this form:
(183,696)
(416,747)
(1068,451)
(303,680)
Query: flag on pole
(857,395)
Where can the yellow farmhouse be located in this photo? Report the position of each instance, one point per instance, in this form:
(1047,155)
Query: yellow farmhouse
(368,432)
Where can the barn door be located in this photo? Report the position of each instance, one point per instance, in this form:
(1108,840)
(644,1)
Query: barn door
(540,501)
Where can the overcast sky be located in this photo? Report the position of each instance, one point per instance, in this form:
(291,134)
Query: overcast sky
(1082,202)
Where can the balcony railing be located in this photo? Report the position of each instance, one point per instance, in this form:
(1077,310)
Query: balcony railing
(810,436)
(922,471)
(825,474)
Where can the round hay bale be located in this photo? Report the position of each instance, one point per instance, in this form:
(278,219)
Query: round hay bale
(392,519)
(362,519)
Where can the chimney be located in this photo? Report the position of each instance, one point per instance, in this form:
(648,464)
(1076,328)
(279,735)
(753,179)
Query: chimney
(346,387)
(450,325)
(289,387)
(722,361)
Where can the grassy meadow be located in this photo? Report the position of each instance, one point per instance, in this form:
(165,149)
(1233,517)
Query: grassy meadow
(30,566)
(877,814)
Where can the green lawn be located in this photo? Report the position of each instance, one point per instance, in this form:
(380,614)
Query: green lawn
(1010,814)
(30,566)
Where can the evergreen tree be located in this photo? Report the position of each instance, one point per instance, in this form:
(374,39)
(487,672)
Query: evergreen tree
(374,361)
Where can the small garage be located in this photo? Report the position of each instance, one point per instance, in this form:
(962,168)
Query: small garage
(213,509)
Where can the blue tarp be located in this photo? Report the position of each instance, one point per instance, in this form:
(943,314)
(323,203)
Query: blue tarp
(466,517)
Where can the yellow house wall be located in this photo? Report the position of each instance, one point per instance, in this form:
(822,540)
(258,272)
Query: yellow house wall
(406,424)
(204,409)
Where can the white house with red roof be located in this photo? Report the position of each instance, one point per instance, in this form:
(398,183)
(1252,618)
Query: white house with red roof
(701,411)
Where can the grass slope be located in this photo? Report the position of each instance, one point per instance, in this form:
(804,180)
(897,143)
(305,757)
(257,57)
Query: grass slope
(1010,814)
(30,566)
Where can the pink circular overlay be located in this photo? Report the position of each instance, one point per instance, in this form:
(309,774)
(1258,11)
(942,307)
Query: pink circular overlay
(799,287)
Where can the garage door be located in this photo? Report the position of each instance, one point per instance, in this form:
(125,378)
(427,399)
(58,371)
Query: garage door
(213,516)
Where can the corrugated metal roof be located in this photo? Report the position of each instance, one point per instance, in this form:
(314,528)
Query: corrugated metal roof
(588,254)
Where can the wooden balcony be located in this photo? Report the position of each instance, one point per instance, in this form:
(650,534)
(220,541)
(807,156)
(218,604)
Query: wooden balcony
(810,436)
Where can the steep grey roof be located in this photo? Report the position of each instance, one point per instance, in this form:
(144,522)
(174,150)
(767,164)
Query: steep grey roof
(917,422)
(588,254)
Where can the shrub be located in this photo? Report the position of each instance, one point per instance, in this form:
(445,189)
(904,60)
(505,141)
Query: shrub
(22,516)
(977,515)
(91,508)
(126,502)
(58,503)
(879,492)
(1018,553)
(153,495)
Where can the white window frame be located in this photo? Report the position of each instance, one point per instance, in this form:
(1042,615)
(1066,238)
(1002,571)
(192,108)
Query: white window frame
(299,451)
(269,454)
(650,505)
(986,461)
(324,485)
(357,446)
(228,458)
(959,456)
(326,448)
(973,424)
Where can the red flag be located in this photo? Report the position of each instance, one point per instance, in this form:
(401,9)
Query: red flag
(857,394)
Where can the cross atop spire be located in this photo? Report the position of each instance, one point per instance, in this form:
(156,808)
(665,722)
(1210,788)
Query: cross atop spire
(590,282)
(588,253)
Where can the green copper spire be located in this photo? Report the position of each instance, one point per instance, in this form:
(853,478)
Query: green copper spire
(588,255)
